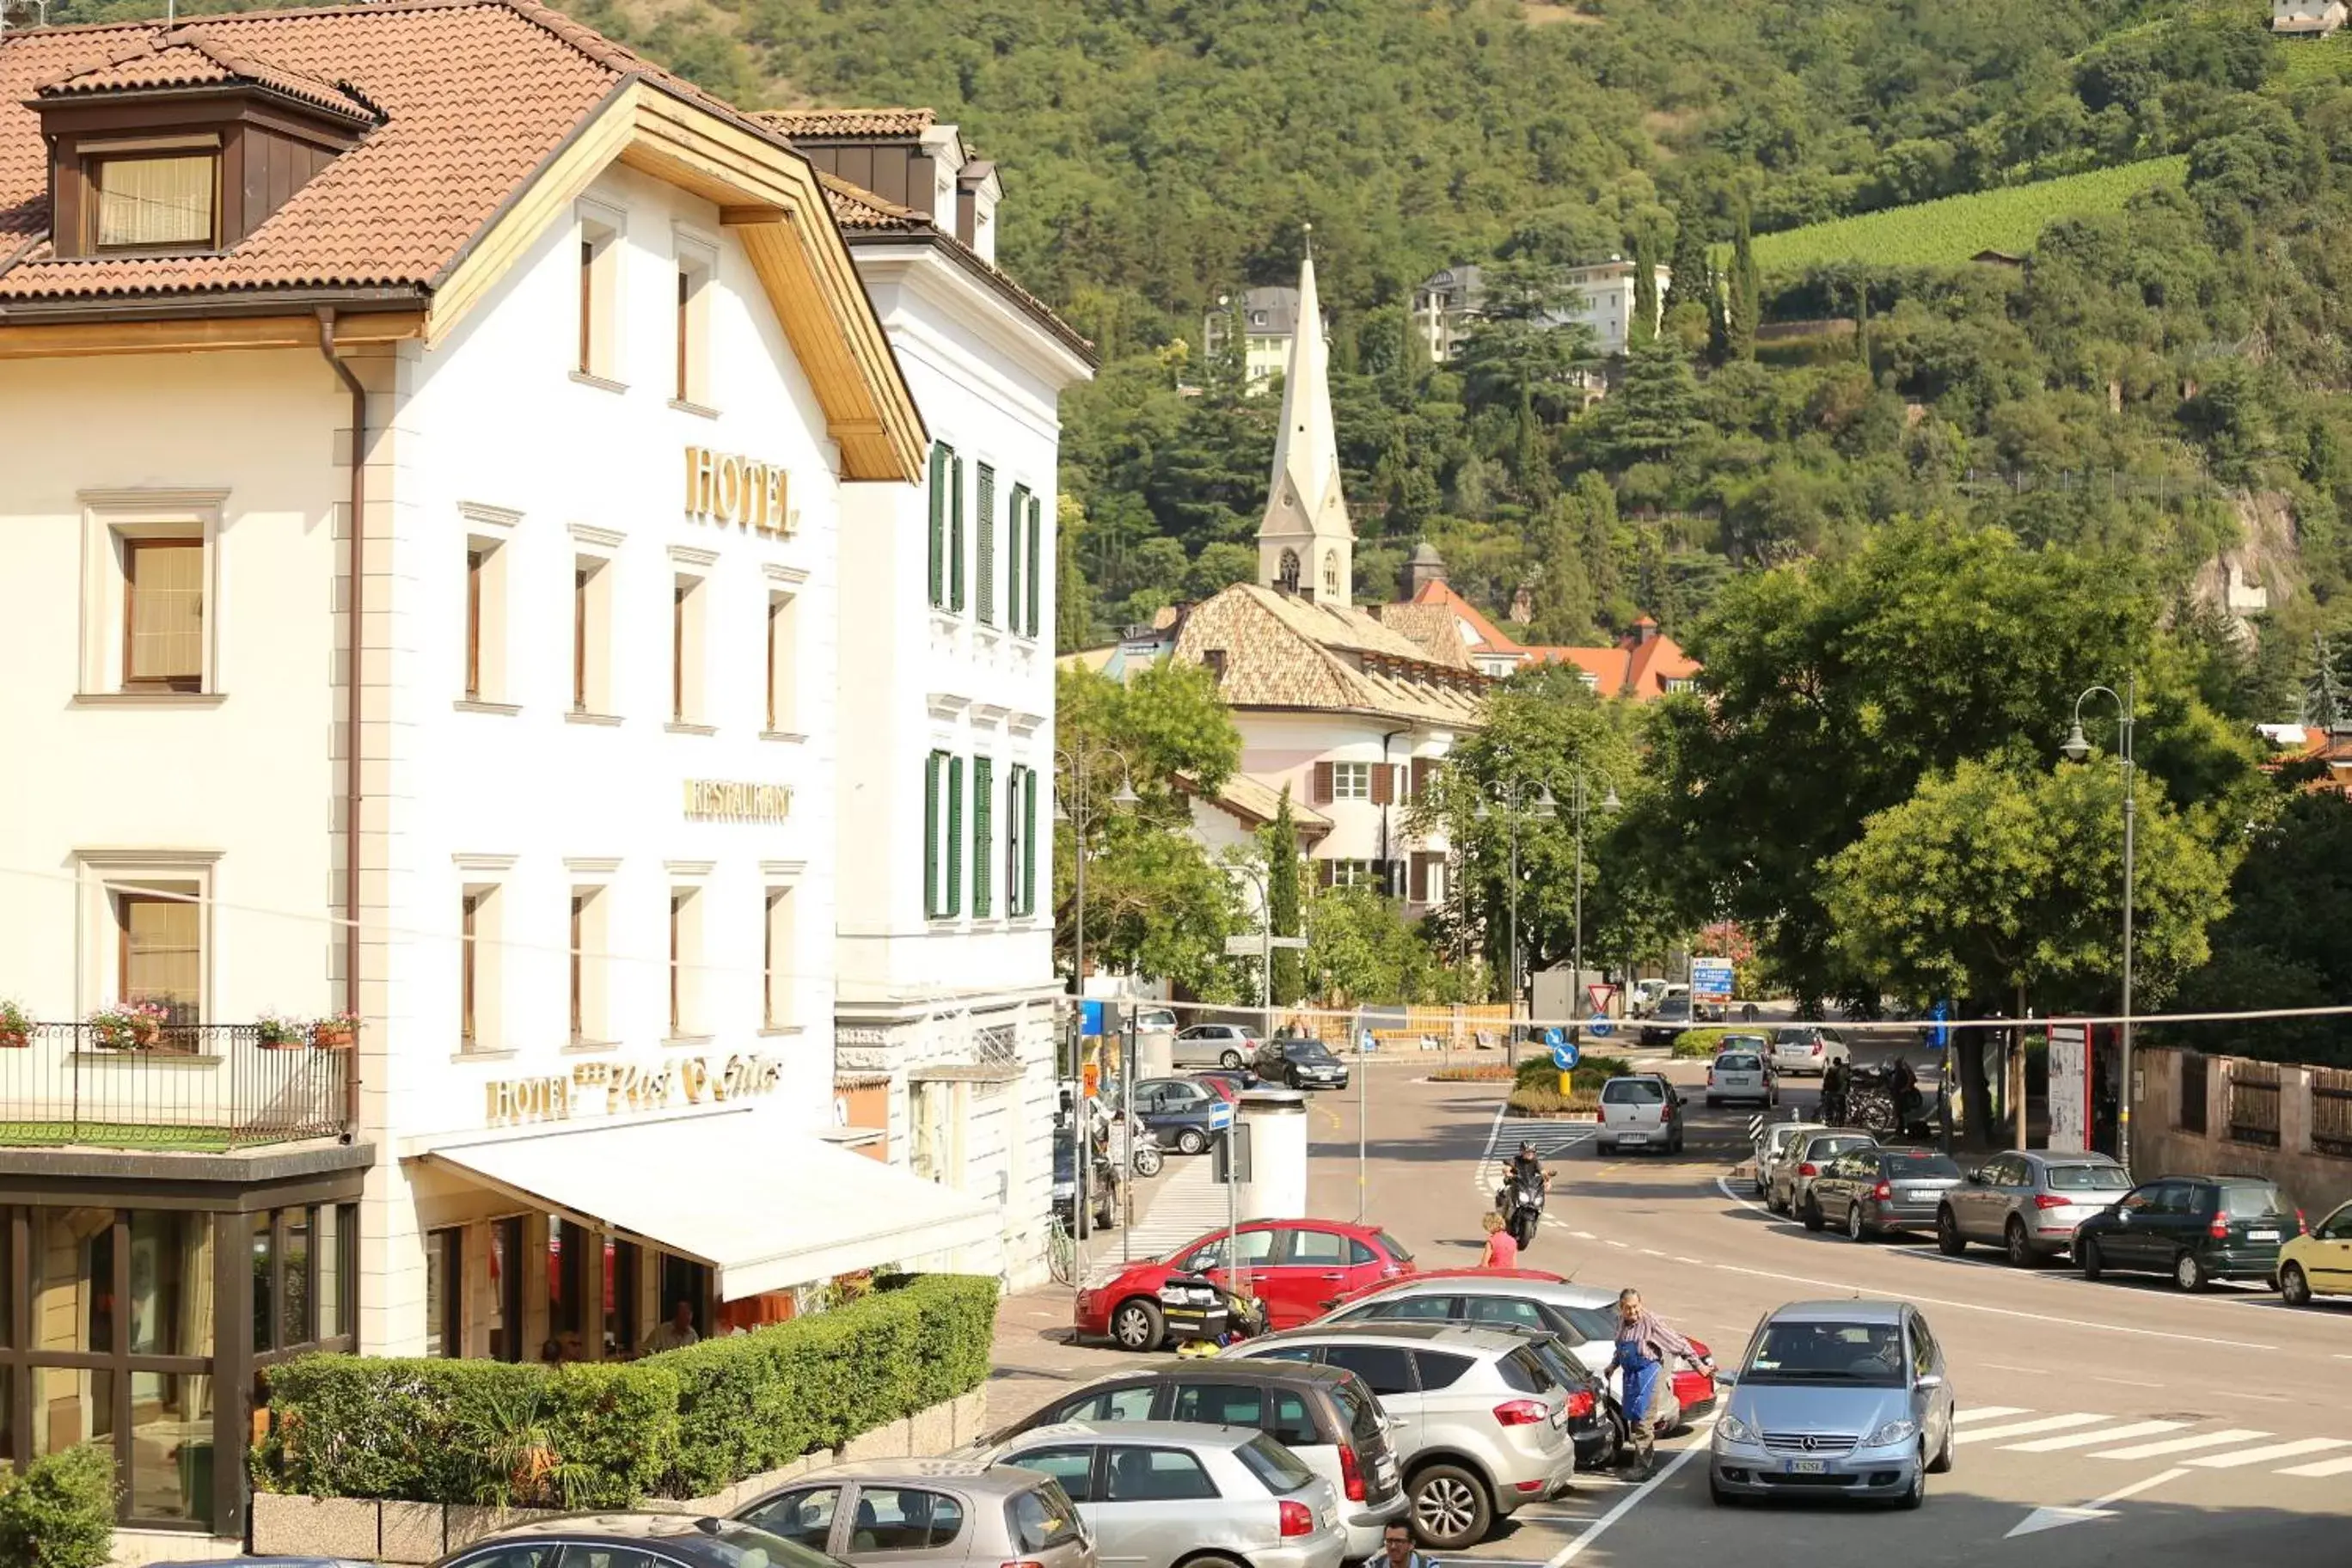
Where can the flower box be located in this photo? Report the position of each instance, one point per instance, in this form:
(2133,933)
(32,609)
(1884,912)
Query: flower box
(338,1034)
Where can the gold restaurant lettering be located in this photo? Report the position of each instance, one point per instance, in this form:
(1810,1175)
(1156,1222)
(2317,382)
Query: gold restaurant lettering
(725,489)
(716,800)
(614,1088)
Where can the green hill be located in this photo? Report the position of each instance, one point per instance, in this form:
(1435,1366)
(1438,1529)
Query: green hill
(1951,230)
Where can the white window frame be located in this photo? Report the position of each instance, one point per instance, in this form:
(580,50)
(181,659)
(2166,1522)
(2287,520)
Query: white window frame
(109,518)
(604,227)
(689,646)
(696,255)
(486,876)
(490,529)
(595,550)
(98,876)
(1351,780)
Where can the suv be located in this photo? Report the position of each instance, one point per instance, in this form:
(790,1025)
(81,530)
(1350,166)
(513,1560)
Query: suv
(1214,1045)
(1808,1049)
(1644,1110)
(1670,1018)
(2028,1203)
(2196,1228)
(1324,1414)
(1789,1188)
(1482,1424)
(681,1539)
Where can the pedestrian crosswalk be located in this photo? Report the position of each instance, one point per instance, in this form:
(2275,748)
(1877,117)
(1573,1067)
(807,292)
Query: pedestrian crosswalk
(2014,1429)
(1188,1204)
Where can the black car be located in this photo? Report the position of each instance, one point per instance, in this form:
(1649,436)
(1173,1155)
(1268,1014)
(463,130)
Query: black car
(1301,1064)
(636,1538)
(1673,1016)
(1102,1185)
(1877,1192)
(2196,1228)
(1180,1112)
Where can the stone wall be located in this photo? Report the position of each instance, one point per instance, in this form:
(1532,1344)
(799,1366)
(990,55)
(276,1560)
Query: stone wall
(2314,1179)
(366,1529)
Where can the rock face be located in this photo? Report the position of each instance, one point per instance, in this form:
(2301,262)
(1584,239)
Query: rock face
(2262,570)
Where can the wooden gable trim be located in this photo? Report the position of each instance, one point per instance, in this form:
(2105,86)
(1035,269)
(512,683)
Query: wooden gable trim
(201,334)
(771,200)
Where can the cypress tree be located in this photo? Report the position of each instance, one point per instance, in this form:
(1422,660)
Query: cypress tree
(1746,303)
(1288,982)
(1688,265)
(1643,326)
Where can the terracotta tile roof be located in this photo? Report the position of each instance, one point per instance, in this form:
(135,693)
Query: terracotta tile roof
(1285,652)
(1254,804)
(1433,628)
(474,96)
(850,122)
(1439,594)
(857,209)
(190,57)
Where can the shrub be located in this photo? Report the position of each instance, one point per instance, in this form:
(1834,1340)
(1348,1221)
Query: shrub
(1591,1072)
(60,1512)
(1477,1072)
(682,1424)
(1535,1101)
(1700,1044)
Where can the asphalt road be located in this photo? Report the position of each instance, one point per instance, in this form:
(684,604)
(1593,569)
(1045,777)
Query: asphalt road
(2165,1428)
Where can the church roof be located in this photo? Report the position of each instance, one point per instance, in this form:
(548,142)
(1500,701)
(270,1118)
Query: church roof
(1303,498)
(1280,651)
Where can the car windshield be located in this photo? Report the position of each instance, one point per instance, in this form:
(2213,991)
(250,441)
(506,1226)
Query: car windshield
(1632,1091)
(1795,1036)
(2251,1202)
(1312,1051)
(1822,1148)
(1280,1470)
(1917,1165)
(1737,1062)
(2086,1178)
(1870,1354)
(1674,1007)
(1394,1248)
(745,1547)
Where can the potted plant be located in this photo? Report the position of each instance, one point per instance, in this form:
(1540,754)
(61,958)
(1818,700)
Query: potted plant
(281,1034)
(129,1025)
(336,1032)
(16,1026)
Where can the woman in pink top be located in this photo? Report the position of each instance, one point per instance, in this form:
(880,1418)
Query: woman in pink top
(1501,1252)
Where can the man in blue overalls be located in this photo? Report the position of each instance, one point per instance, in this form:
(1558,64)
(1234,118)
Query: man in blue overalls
(1643,1343)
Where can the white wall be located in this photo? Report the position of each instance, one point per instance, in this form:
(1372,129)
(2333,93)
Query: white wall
(1280,749)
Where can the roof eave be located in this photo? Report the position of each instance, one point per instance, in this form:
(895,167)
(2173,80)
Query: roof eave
(965,258)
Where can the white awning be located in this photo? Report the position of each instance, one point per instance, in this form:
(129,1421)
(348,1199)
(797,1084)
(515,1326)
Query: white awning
(768,1207)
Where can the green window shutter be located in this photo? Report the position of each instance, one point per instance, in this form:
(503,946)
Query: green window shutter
(1016,527)
(1029,838)
(983,837)
(1037,550)
(952,840)
(931,834)
(984,591)
(940,456)
(955,536)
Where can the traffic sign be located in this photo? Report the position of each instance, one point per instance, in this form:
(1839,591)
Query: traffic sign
(1939,1036)
(1254,944)
(1601,1027)
(1221,1115)
(1710,980)
(1564,1054)
(1553,1038)
(1091,1015)
(1602,994)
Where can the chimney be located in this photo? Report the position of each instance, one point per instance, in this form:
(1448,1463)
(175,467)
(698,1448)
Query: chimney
(978,190)
(1645,630)
(1523,603)
(1425,567)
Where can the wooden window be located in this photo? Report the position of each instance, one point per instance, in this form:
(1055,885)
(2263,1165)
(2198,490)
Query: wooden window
(984,553)
(155,201)
(951,841)
(1017,532)
(955,535)
(1383,780)
(1319,791)
(687,652)
(473,623)
(587,360)
(470,918)
(776,960)
(1017,838)
(579,963)
(163,614)
(781,672)
(1029,843)
(942,466)
(1423,770)
(578,639)
(1037,553)
(676,964)
(677,653)
(983,837)
(162,951)
(685,393)
(1350,781)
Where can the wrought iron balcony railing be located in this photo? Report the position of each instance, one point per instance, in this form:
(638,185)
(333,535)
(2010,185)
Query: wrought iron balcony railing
(182,1087)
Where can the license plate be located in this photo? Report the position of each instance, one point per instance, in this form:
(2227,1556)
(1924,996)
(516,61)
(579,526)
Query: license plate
(1918,1195)
(1387,1473)
(2262,1236)
(1808,1466)
(1632,1138)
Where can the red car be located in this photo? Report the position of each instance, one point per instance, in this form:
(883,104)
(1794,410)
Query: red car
(1296,1265)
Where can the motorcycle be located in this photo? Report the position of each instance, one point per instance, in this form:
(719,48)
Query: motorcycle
(1520,1202)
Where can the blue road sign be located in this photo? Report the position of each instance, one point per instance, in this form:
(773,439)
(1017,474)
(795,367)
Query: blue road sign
(1221,1115)
(1938,1036)
(1552,1036)
(1601,1029)
(1564,1054)
(1091,1018)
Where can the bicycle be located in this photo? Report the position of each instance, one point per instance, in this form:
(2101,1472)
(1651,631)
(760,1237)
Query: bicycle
(1061,1252)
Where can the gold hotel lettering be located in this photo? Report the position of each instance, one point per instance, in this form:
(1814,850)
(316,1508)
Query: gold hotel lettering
(722,488)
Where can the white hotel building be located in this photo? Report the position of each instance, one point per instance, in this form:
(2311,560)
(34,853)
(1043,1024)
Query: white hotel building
(448,511)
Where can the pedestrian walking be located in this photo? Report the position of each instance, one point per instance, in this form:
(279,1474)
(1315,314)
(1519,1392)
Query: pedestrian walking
(1396,1549)
(1502,1251)
(1644,1345)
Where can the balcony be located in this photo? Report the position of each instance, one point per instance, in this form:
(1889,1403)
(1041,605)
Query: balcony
(197,1088)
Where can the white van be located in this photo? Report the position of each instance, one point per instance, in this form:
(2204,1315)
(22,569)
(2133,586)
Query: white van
(1641,1110)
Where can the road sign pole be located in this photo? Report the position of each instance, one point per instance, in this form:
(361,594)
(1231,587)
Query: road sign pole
(1363,1102)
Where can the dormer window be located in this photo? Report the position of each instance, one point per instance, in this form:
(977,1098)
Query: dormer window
(153,194)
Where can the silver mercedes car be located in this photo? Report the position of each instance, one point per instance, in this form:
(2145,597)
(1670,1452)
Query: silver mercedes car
(1845,1399)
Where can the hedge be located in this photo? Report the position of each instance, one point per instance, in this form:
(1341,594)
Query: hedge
(682,1424)
(60,1512)
(1591,1072)
(1704,1043)
(1534,1099)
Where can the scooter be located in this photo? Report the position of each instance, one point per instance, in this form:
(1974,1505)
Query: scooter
(1520,1202)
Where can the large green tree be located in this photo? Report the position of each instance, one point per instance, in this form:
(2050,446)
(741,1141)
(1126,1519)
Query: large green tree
(2282,943)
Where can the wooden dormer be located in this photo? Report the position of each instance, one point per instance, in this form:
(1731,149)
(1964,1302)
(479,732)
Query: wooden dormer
(180,146)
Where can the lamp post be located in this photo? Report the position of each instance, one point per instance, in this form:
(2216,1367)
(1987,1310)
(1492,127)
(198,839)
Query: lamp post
(1520,801)
(1513,798)
(1578,790)
(1074,804)
(2076,749)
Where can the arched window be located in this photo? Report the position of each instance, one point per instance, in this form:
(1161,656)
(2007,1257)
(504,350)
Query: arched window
(1288,578)
(1330,574)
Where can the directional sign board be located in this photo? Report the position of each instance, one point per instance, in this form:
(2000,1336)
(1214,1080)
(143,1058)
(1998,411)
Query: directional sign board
(1710,980)
(1253,945)
(1221,1115)
(1564,1054)
(1553,1038)
(1601,1027)
(1938,1035)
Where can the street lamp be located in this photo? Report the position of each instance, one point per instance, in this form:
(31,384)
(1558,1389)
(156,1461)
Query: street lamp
(2076,748)
(1076,807)
(1610,805)
(1520,801)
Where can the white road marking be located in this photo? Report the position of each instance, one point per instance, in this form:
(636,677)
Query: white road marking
(2007,1366)
(1694,1262)
(2042,1519)
(1652,1252)
(2249,1394)
(1619,1244)
(2127,1382)
(2181,1445)
(2027,1429)
(2087,1439)
(1696,1446)
(1583,1236)
(1986,1413)
(1724,1184)
(2324,1467)
(2263,1456)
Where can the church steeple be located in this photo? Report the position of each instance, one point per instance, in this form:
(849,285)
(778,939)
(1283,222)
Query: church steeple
(1306,544)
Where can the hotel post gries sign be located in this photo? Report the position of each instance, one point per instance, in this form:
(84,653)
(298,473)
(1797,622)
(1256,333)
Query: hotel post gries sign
(722,488)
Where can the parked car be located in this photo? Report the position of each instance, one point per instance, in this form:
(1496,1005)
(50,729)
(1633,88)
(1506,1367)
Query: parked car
(1325,1414)
(2028,1203)
(1669,1018)
(1225,1084)
(1102,1185)
(1770,1140)
(1482,1424)
(674,1539)
(927,1513)
(1156,1018)
(1744,1074)
(2196,1228)
(1789,1190)
(1875,1192)
(1214,1044)
(1181,1113)
(1582,1317)
(1843,1399)
(1641,1110)
(2319,1264)
(1301,1064)
(1296,1267)
(1806,1050)
(1157,1493)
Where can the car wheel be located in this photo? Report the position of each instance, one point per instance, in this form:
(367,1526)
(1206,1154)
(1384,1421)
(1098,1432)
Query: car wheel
(1949,1239)
(1290,1077)
(2189,1273)
(2294,1288)
(1602,1146)
(1812,1216)
(1191,1141)
(2014,1242)
(1942,1463)
(2094,1262)
(1764,1191)
(1229,1058)
(1917,1493)
(1137,1325)
(1717,1496)
(1677,1146)
(1855,1230)
(1450,1507)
